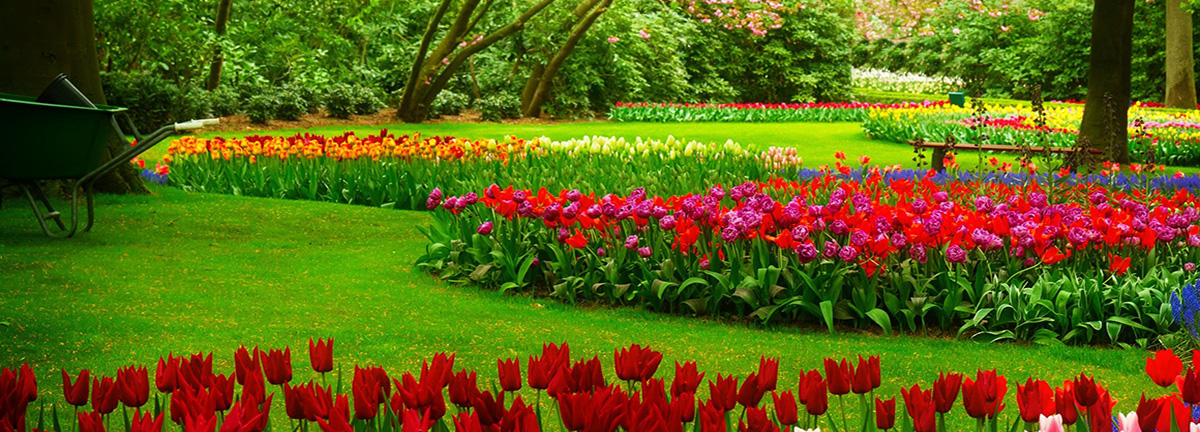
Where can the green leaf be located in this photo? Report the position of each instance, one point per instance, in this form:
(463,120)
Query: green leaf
(827,314)
(882,319)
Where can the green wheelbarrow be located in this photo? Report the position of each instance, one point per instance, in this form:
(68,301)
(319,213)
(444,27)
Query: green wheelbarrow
(61,135)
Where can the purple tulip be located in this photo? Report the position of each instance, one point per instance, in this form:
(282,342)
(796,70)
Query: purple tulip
(848,253)
(644,252)
(631,242)
(485,228)
(956,254)
(1189,267)
(806,251)
(436,194)
(574,195)
(667,223)
(831,249)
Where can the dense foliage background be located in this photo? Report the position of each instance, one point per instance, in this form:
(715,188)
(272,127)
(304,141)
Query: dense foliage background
(296,56)
(1005,48)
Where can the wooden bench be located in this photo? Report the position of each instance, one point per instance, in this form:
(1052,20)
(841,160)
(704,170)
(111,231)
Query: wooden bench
(940,149)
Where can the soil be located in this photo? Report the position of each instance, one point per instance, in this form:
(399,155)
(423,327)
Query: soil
(241,123)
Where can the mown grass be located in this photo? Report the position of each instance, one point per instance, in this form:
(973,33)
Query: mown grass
(183,272)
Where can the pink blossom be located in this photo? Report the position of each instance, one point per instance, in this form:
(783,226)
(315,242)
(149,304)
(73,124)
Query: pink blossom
(613,39)
(645,34)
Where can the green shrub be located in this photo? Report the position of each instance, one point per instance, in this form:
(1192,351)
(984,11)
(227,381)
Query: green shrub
(498,107)
(290,104)
(342,100)
(224,101)
(365,102)
(261,108)
(448,103)
(148,97)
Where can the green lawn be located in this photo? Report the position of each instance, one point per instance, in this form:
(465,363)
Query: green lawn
(182,272)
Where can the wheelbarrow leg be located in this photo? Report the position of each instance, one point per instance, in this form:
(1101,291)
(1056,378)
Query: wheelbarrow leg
(89,193)
(50,212)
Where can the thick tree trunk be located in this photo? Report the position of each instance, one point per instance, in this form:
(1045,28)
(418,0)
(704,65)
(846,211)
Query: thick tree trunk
(214,72)
(41,39)
(1181,81)
(545,80)
(1109,72)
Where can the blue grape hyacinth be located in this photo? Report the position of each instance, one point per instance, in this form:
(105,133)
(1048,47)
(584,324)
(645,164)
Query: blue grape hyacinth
(1185,306)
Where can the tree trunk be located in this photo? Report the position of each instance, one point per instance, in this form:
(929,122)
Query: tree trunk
(41,39)
(430,75)
(1109,72)
(545,80)
(1181,82)
(214,72)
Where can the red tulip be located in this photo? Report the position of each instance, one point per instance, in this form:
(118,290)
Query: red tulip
(1064,403)
(293,400)
(135,386)
(467,422)
(817,399)
(246,364)
(636,363)
(277,365)
(757,421)
(724,392)
(984,397)
(318,402)
(1164,367)
(254,387)
(145,422)
(540,372)
(1100,411)
(489,408)
(1169,405)
(510,374)
(768,373)
(920,407)
(1147,413)
(885,413)
(91,422)
(751,392)
(416,421)
(105,395)
(320,355)
(785,408)
(945,391)
(573,409)
(861,381)
(1034,400)
(166,377)
(811,377)
(76,394)
(246,416)
(368,394)
(1189,387)
(687,379)
(222,391)
(200,424)
(839,376)
(339,416)
(196,370)
(463,388)
(712,417)
(1086,392)
(684,407)
(27,382)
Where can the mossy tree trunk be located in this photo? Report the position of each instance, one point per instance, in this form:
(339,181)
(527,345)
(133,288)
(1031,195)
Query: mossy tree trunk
(1109,74)
(41,39)
(434,66)
(541,78)
(1181,80)
(214,71)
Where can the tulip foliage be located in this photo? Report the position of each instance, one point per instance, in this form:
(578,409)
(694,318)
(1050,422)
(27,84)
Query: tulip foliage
(754,112)
(399,172)
(557,392)
(1074,263)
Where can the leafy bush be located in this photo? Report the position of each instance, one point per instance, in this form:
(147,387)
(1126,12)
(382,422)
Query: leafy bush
(498,107)
(224,101)
(366,102)
(290,104)
(448,103)
(342,100)
(149,98)
(261,108)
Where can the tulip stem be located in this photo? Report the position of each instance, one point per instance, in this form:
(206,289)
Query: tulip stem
(76,418)
(842,407)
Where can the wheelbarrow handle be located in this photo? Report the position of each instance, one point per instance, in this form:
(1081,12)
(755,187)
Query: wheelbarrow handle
(196,124)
